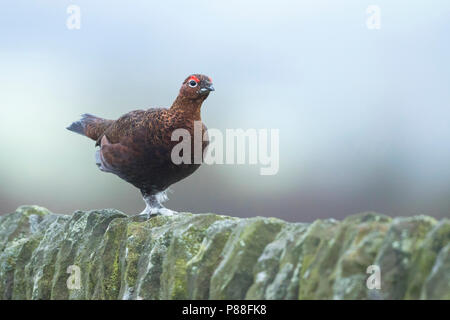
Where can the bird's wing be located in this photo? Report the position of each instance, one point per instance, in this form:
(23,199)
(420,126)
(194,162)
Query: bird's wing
(115,157)
(130,143)
(136,124)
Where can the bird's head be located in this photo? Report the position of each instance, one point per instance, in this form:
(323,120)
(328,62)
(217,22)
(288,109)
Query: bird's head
(196,87)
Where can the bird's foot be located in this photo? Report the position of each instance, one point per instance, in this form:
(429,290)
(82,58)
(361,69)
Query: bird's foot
(154,206)
(166,212)
(156,211)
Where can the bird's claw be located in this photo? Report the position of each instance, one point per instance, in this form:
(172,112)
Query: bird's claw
(153,212)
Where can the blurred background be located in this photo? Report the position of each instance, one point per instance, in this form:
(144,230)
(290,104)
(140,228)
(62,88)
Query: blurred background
(364,115)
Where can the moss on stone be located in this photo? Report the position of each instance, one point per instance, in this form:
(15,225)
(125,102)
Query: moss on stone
(394,257)
(425,257)
(234,275)
(208,256)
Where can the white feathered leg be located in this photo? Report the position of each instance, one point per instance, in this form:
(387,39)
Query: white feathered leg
(154,207)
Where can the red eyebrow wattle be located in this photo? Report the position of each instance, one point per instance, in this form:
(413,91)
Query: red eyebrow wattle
(194,78)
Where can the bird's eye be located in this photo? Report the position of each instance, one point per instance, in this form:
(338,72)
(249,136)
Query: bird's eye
(192,83)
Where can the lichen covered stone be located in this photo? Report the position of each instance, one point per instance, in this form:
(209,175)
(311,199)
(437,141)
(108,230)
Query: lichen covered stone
(105,254)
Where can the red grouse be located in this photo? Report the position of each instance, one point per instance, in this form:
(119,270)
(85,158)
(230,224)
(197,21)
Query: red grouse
(137,147)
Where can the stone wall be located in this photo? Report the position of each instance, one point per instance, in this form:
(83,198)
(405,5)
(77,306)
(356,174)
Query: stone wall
(209,256)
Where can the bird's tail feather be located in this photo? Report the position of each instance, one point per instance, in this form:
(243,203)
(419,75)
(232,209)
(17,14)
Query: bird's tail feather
(90,126)
(76,127)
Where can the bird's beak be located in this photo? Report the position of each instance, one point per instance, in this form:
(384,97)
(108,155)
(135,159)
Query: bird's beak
(207,89)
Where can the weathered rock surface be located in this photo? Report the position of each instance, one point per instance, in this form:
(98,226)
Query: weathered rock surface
(208,256)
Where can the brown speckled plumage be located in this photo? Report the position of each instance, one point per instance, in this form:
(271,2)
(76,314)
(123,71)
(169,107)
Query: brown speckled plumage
(137,147)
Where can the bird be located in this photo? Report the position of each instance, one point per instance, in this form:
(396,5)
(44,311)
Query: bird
(137,147)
